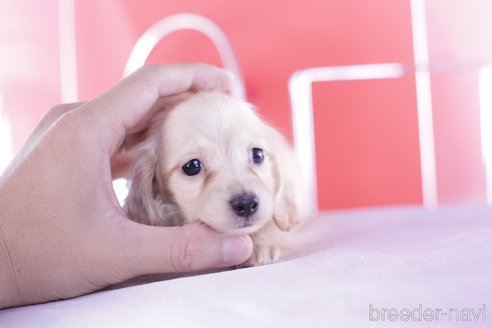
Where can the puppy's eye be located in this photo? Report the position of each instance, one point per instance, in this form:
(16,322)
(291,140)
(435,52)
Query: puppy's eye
(258,156)
(193,167)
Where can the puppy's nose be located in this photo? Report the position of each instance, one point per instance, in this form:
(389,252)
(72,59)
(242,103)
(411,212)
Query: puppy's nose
(245,204)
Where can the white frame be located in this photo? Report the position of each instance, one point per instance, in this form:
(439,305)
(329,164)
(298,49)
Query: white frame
(147,42)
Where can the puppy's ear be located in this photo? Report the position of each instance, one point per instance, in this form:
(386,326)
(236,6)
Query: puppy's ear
(288,183)
(140,203)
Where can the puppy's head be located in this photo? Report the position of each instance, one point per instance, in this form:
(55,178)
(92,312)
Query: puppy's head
(212,159)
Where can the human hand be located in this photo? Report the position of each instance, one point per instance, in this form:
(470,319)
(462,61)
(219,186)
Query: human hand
(62,231)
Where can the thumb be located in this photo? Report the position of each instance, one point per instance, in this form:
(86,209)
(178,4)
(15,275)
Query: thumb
(191,247)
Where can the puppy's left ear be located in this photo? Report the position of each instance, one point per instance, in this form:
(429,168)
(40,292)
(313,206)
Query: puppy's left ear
(140,203)
(288,183)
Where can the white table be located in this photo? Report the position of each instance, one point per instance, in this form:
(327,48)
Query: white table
(401,258)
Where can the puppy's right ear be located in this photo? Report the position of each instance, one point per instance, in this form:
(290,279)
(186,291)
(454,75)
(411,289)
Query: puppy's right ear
(140,204)
(288,210)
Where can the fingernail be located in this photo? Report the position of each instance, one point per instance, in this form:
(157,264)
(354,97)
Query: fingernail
(236,250)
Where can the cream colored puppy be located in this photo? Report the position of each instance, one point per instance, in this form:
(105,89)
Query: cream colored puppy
(211,159)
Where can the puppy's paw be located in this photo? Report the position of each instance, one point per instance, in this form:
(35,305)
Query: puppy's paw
(263,254)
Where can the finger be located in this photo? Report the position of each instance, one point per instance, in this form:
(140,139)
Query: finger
(140,131)
(125,105)
(189,248)
(51,116)
(121,163)
(161,104)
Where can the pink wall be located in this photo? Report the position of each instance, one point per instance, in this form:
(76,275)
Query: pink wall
(366,131)
(29,63)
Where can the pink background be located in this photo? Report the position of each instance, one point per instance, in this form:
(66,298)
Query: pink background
(366,131)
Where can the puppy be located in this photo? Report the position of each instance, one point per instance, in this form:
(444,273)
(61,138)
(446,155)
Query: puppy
(211,159)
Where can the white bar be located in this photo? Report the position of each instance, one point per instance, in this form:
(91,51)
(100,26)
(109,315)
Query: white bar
(424,104)
(68,51)
(300,90)
(303,132)
(166,26)
(6,151)
(354,72)
(485,89)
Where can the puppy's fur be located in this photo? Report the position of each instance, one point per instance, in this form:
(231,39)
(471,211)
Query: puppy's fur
(221,132)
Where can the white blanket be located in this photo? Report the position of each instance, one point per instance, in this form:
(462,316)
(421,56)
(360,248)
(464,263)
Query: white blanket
(412,267)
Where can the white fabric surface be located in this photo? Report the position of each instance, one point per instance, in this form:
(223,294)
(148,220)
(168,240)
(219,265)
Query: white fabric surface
(390,258)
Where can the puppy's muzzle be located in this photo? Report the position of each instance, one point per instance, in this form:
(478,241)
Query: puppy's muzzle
(245,205)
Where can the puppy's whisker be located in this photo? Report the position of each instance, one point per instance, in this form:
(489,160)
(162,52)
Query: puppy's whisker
(201,159)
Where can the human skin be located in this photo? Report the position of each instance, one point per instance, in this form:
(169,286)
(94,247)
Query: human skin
(62,231)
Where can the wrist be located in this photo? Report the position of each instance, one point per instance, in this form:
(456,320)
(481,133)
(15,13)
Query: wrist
(9,295)
(9,292)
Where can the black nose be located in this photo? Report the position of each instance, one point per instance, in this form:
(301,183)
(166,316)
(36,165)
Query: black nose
(245,204)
